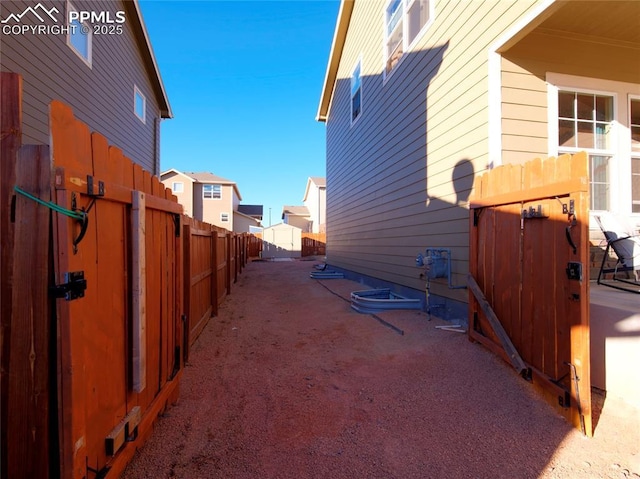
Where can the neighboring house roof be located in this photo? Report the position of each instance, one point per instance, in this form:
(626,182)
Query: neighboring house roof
(318,181)
(204,177)
(339,36)
(173,170)
(295,211)
(254,211)
(134,13)
(252,218)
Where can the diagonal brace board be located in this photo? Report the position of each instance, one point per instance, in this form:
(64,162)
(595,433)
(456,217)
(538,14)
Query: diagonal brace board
(508,346)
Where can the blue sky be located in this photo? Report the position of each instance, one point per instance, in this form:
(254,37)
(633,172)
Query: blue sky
(244,80)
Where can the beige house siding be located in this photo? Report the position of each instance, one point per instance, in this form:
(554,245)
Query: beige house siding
(390,175)
(315,200)
(186,197)
(299,222)
(213,208)
(241,223)
(524,88)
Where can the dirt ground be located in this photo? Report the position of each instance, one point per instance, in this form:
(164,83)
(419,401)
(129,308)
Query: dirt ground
(289,382)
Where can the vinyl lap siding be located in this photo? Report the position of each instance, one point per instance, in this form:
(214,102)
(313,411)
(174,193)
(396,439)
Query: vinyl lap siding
(524,89)
(101,96)
(390,192)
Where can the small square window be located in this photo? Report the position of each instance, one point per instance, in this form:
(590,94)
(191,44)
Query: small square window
(177,187)
(224,217)
(139,104)
(79,37)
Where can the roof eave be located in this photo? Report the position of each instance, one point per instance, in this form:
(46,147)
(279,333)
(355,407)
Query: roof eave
(339,36)
(150,59)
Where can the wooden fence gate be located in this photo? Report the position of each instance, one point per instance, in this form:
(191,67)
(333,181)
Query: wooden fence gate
(529,278)
(119,353)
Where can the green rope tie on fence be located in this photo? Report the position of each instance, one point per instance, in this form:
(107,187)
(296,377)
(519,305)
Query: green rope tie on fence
(50,204)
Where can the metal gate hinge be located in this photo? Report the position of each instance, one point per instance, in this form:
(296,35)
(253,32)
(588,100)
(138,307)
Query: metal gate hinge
(73,287)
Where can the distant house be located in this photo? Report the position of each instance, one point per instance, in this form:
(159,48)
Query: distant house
(210,198)
(254,211)
(311,217)
(315,199)
(111,81)
(297,216)
(445,90)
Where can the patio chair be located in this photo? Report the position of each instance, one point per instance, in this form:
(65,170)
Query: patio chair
(625,243)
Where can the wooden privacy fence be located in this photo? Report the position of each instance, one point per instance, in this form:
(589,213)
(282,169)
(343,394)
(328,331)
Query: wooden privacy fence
(108,284)
(314,244)
(529,278)
(213,259)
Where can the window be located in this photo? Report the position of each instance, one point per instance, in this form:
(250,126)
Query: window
(356,92)
(139,104)
(79,37)
(404,21)
(224,217)
(177,187)
(212,192)
(634,122)
(585,122)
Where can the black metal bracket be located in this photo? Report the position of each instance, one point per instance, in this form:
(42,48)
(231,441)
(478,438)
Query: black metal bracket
(569,209)
(90,187)
(73,287)
(574,270)
(99,474)
(565,401)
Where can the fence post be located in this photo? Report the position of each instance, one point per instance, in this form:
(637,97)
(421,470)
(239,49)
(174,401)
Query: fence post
(229,246)
(186,291)
(10,139)
(29,387)
(214,272)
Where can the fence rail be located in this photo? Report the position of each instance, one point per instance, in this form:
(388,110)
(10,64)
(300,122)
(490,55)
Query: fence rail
(118,286)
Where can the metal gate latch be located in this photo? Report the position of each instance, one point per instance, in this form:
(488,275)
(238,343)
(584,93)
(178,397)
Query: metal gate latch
(73,287)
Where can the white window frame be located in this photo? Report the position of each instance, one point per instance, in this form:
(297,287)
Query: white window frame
(407,45)
(224,217)
(213,187)
(73,27)
(357,67)
(620,162)
(177,187)
(138,94)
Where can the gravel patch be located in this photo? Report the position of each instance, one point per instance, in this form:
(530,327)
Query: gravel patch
(289,382)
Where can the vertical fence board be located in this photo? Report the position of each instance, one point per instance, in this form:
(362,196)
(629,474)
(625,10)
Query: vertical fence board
(106,406)
(29,359)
